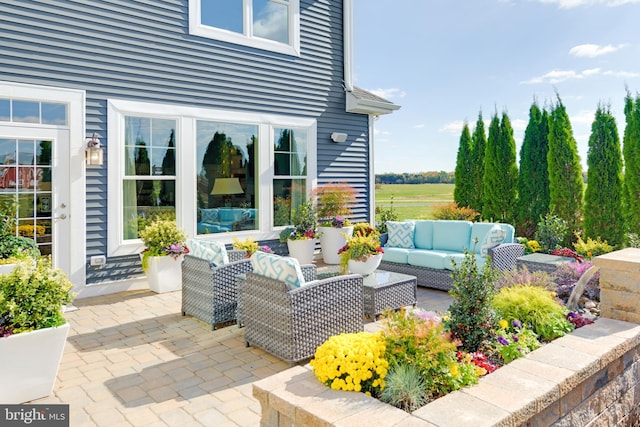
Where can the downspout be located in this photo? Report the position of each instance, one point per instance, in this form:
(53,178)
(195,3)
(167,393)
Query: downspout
(347,39)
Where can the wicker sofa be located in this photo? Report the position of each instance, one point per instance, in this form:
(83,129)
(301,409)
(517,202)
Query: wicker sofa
(209,292)
(430,251)
(291,323)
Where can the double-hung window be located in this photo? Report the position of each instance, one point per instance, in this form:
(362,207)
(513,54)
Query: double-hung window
(219,174)
(264,24)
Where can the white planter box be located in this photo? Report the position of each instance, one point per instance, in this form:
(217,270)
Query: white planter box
(302,250)
(164,273)
(331,240)
(29,364)
(7,268)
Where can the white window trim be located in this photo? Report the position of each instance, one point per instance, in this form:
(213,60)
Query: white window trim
(186,167)
(292,48)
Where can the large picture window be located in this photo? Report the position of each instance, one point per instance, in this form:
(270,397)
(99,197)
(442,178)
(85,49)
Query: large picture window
(265,24)
(226,181)
(219,174)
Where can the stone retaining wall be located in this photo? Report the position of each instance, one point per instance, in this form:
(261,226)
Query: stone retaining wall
(590,377)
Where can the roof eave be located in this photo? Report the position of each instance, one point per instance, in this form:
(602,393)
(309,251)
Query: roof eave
(367,106)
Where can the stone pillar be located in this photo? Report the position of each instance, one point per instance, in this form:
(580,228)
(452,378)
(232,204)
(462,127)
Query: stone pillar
(620,284)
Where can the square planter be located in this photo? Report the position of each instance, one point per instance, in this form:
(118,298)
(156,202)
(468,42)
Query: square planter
(164,273)
(30,363)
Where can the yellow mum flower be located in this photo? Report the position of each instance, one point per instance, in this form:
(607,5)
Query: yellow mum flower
(504,324)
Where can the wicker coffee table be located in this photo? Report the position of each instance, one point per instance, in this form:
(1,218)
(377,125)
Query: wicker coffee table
(385,290)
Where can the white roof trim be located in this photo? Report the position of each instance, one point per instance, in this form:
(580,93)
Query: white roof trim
(368,106)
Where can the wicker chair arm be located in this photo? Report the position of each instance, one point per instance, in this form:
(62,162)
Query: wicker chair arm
(236,255)
(309,272)
(504,256)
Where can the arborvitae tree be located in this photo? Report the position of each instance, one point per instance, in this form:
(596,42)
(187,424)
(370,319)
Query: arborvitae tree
(533,178)
(478,147)
(565,172)
(631,152)
(463,190)
(603,197)
(500,172)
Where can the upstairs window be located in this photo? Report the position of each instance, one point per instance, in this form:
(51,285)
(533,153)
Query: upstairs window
(264,24)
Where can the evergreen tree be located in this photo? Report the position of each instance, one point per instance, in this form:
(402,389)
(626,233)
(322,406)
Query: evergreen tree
(463,190)
(565,172)
(631,152)
(533,178)
(603,197)
(478,147)
(500,172)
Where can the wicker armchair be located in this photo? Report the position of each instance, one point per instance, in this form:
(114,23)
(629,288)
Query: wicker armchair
(292,323)
(210,293)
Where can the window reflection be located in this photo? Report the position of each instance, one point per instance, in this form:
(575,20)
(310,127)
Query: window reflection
(226,181)
(271,20)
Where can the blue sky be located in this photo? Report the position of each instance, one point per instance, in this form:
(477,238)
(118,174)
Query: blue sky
(445,61)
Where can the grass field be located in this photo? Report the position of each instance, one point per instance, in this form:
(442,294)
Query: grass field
(413,201)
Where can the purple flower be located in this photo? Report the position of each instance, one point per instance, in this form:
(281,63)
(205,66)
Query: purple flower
(516,323)
(502,340)
(515,338)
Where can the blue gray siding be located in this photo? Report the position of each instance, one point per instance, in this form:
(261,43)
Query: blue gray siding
(142,50)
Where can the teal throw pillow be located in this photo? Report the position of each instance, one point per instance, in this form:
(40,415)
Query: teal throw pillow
(493,238)
(210,250)
(400,234)
(276,267)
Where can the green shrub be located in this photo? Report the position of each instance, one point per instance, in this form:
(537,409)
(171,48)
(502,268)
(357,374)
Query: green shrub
(405,389)
(535,306)
(552,233)
(453,211)
(471,318)
(423,343)
(522,276)
(31,297)
(385,214)
(591,247)
(632,240)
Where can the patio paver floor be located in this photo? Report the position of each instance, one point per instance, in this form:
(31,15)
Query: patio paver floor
(132,359)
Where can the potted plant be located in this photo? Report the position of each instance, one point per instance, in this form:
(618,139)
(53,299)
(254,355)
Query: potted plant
(334,201)
(301,238)
(13,248)
(162,257)
(362,253)
(250,246)
(33,330)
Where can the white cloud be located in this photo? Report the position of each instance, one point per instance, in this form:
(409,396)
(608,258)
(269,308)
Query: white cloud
(623,74)
(585,117)
(559,76)
(556,76)
(593,50)
(454,127)
(420,126)
(388,93)
(568,4)
(518,125)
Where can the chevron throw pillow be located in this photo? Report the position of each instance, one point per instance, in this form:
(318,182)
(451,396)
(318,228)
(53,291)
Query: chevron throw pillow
(400,234)
(284,269)
(210,250)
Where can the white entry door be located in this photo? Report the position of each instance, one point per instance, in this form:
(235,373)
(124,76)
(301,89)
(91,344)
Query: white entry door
(34,172)
(42,140)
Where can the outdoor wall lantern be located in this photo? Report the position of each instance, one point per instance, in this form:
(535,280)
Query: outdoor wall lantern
(339,137)
(93,154)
